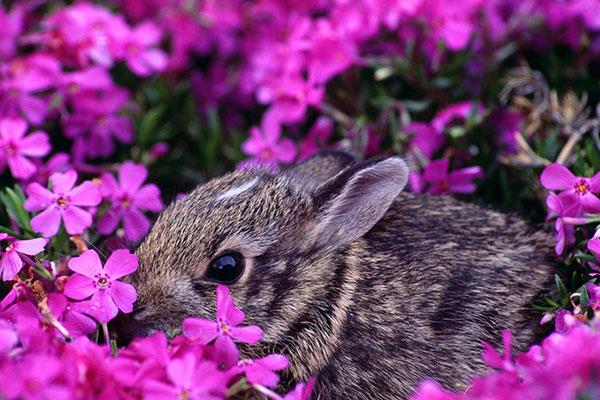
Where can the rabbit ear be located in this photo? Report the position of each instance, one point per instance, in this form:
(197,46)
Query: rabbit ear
(351,203)
(316,170)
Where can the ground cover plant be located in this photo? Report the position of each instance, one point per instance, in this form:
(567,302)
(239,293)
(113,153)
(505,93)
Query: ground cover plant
(110,110)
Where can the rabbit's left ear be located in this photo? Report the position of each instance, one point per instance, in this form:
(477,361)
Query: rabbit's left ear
(316,170)
(352,202)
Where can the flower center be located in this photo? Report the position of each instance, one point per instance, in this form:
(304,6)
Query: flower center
(9,247)
(266,154)
(62,202)
(223,327)
(125,201)
(103,282)
(185,395)
(582,187)
(11,149)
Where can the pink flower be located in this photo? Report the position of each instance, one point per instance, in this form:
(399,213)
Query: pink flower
(71,315)
(63,202)
(96,122)
(108,295)
(136,49)
(224,330)
(15,147)
(266,145)
(59,162)
(261,371)
(566,209)
(442,181)
(581,189)
(22,80)
(188,379)
(11,263)
(129,198)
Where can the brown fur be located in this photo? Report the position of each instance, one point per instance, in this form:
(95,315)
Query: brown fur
(411,298)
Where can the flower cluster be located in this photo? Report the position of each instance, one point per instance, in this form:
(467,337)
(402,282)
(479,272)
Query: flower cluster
(562,367)
(37,361)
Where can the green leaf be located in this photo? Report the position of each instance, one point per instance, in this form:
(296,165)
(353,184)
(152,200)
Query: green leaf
(562,289)
(584,299)
(17,198)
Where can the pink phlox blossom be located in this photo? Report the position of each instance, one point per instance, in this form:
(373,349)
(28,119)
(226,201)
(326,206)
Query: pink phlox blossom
(581,189)
(9,337)
(11,262)
(442,181)
(96,122)
(566,209)
(94,78)
(266,144)
(16,147)
(289,97)
(137,47)
(79,35)
(65,202)
(71,315)
(21,82)
(129,198)
(224,329)
(108,295)
(431,390)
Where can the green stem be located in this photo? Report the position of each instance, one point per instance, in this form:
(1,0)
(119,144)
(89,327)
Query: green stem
(43,272)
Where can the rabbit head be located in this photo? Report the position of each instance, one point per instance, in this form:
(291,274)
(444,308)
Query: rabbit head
(272,238)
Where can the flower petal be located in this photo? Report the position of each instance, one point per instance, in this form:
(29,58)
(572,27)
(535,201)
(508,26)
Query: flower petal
(76,220)
(136,224)
(30,247)
(123,294)
(148,198)
(120,263)
(131,176)
(86,194)
(226,351)
(21,167)
(202,330)
(557,177)
(39,197)
(63,183)
(80,287)
(247,334)
(10,265)
(102,306)
(35,145)
(87,264)
(109,221)
(47,222)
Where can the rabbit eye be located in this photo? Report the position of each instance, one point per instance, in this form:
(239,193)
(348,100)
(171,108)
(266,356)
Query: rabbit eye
(226,268)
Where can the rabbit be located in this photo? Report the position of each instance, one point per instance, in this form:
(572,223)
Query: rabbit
(365,287)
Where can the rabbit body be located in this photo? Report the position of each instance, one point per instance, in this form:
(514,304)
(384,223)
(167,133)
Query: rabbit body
(368,289)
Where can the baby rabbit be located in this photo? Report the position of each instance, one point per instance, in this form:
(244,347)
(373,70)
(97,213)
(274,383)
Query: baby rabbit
(366,288)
